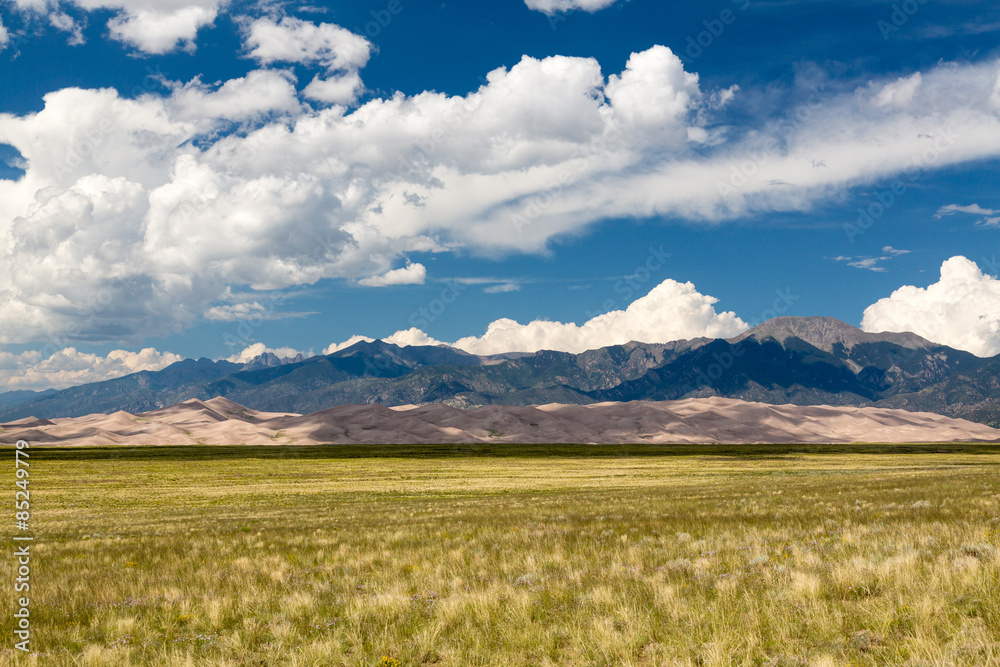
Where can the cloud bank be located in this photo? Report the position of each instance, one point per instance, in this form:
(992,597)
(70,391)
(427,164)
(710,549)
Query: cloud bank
(68,367)
(961,310)
(137,216)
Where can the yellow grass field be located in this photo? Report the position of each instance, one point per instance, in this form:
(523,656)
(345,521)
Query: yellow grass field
(695,556)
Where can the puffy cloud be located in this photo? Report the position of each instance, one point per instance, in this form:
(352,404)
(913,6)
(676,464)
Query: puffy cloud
(161,29)
(671,311)
(411,336)
(555,6)
(291,40)
(69,367)
(251,352)
(961,310)
(413,274)
(342,89)
(654,95)
(353,340)
(4,36)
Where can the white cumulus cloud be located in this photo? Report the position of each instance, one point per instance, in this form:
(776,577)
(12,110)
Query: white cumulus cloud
(961,310)
(69,367)
(338,89)
(291,40)
(654,95)
(413,274)
(411,336)
(671,311)
(161,29)
(255,350)
(353,340)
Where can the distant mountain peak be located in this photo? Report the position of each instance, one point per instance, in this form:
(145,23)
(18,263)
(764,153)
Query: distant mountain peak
(364,347)
(825,332)
(269,360)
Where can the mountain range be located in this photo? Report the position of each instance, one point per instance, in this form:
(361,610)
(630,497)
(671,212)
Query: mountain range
(798,360)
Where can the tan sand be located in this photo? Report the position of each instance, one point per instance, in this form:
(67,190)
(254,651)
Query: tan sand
(696,420)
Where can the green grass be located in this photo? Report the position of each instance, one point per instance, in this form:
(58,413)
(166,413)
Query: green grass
(513,555)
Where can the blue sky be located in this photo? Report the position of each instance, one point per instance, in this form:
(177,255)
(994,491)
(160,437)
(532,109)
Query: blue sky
(192,180)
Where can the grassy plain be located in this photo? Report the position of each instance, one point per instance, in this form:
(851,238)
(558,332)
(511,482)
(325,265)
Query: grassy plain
(512,556)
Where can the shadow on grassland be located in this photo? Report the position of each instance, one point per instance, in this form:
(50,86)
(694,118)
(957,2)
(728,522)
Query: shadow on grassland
(500,450)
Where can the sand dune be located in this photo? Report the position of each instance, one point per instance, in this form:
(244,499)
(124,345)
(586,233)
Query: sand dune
(696,420)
